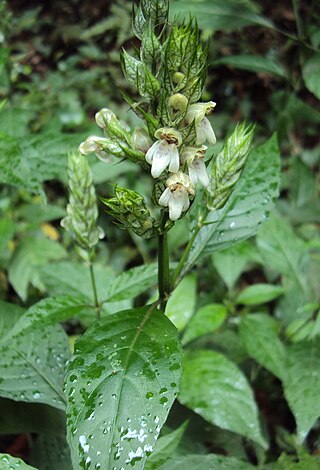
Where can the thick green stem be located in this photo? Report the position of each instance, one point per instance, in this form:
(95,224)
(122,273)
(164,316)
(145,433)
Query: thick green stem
(163,265)
(94,290)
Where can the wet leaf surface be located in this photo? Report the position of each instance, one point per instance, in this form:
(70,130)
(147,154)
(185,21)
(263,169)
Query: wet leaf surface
(120,385)
(206,462)
(7,462)
(213,387)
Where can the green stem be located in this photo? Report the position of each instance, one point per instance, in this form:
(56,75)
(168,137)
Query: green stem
(94,290)
(163,264)
(176,275)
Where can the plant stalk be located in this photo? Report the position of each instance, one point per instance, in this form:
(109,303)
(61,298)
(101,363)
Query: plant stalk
(94,290)
(163,264)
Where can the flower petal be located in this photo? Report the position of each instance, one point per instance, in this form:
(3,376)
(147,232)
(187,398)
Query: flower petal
(161,158)
(174,159)
(177,202)
(165,197)
(210,136)
(198,173)
(150,152)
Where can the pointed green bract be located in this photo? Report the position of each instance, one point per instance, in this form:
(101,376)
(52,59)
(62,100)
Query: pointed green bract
(247,208)
(120,385)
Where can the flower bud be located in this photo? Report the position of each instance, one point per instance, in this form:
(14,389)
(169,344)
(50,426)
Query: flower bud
(103,117)
(178,77)
(178,102)
(130,209)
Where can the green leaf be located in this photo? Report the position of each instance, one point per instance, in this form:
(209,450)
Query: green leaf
(253,63)
(302,384)
(311,73)
(13,169)
(7,230)
(206,462)
(247,207)
(289,462)
(165,448)
(121,383)
(283,251)
(206,320)
(12,463)
(220,15)
(32,253)
(259,294)
(233,261)
(131,283)
(9,314)
(258,333)
(181,304)
(74,278)
(32,366)
(48,312)
(214,387)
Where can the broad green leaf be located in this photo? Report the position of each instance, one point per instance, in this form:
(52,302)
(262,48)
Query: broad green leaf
(283,251)
(206,462)
(32,253)
(253,63)
(7,462)
(214,387)
(181,304)
(248,206)
(233,261)
(131,283)
(302,384)
(32,366)
(48,312)
(74,278)
(51,452)
(9,314)
(120,385)
(259,294)
(259,335)
(165,447)
(311,73)
(206,320)
(219,15)
(20,417)
(39,213)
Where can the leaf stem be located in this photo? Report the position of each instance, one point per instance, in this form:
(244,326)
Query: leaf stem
(94,290)
(163,264)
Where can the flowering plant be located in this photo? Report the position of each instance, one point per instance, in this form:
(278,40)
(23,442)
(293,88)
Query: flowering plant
(130,362)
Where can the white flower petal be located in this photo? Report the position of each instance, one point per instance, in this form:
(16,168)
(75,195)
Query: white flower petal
(89,145)
(150,152)
(161,159)
(176,204)
(198,173)
(103,156)
(174,160)
(165,197)
(210,136)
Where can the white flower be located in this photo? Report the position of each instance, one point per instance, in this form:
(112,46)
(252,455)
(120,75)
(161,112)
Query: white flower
(176,195)
(193,157)
(164,153)
(197,112)
(103,116)
(95,144)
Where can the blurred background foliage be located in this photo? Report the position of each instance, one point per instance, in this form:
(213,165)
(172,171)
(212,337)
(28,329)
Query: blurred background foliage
(59,64)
